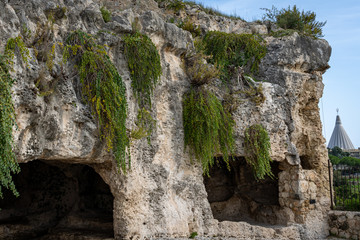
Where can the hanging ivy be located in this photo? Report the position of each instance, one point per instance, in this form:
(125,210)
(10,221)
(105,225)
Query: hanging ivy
(257,151)
(144,65)
(208,128)
(103,89)
(145,70)
(8,163)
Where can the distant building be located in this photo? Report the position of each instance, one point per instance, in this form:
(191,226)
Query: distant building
(339,138)
(353,152)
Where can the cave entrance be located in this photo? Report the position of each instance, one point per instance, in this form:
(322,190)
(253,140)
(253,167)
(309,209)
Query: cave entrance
(235,195)
(57,201)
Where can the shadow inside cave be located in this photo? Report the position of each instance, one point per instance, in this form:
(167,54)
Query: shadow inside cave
(236,195)
(57,201)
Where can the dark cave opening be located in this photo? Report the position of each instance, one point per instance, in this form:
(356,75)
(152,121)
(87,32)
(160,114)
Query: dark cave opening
(305,162)
(236,195)
(57,201)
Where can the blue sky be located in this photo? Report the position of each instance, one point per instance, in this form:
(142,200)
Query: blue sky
(342,31)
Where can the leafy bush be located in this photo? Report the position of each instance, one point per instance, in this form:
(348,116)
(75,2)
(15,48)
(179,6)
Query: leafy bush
(350,161)
(257,151)
(230,50)
(213,11)
(144,65)
(208,128)
(334,159)
(255,93)
(338,152)
(292,18)
(104,90)
(199,71)
(175,5)
(188,25)
(105,14)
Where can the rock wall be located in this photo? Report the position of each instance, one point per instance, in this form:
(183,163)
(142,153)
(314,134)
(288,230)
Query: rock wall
(344,224)
(163,195)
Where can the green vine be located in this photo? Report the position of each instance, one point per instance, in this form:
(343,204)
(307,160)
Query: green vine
(8,163)
(145,125)
(104,90)
(208,128)
(106,14)
(144,65)
(257,151)
(230,50)
(12,46)
(145,70)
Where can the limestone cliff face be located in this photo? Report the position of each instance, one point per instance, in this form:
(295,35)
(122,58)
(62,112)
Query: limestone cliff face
(163,195)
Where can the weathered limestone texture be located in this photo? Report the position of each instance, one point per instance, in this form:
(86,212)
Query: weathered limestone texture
(345,224)
(163,195)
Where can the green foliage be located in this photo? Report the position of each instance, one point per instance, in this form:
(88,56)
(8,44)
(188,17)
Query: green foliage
(8,163)
(257,151)
(188,25)
(282,33)
(199,71)
(292,18)
(145,125)
(230,50)
(106,14)
(350,161)
(175,5)
(208,128)
(334,159)
(255,93)
(145,70)
(144,65)
(13,46)
(338,152)
(193,235)
(213,11)
(344,160)
(104,90)
(178,5)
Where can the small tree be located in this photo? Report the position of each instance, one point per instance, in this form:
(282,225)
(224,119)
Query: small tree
(292,18)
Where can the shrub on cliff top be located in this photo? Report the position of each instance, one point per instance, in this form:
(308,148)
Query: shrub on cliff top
(208,129)
(103,89)
(292,18)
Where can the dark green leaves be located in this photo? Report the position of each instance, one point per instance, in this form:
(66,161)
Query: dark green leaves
(292,18)
(257,151)
(145,70)
(8,163)
(104,91)
(144,65)
(208,128)
(230,50)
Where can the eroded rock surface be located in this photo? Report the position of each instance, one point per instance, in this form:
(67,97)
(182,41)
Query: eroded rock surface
(163,195)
